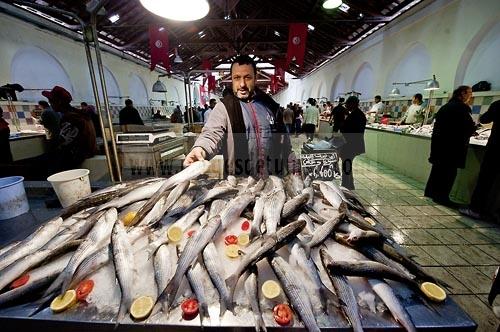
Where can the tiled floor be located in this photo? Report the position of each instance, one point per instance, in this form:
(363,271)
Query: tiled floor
(461,251)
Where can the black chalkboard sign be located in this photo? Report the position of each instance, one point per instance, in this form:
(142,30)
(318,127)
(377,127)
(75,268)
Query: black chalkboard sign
(321,166)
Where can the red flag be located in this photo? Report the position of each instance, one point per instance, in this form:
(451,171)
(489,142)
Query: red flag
(279,68)
(158,45)
(211,83)
(297,36)
(206,64)
(274,83)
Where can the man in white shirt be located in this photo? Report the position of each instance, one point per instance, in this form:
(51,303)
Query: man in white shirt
(377,108)
(210,108)
(414,112)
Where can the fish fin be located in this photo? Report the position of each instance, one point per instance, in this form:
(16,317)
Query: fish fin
(40,304)
(231,282)
(222,308)
(307,249)
(55,286)
(122,311)
(260,325)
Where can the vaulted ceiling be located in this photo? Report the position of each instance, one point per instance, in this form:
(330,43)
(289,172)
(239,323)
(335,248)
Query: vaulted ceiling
(257,27)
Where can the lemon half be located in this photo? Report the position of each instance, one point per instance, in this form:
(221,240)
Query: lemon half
(174,233)
(63,301)
(127,219)
(141,307)
(433,291)
(271,289)
(232,251)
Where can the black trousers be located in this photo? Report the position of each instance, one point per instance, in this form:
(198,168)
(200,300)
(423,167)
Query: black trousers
(488,174)
(347,176)
(309,130)
(440,182)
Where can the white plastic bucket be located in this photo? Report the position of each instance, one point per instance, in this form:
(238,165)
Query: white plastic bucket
(13,200)
(70,185)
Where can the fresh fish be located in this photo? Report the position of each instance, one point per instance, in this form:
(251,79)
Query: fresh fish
(344,292)
(308,181)
(309,191)
(356,219)
(234,208)
(189,219)
(330,195)
(8,247)
(323,231)
(199,281)
(309,223)
(181,206)
(192,249)
(38,278)
(216,208)
(252,290)
(231,179)
(123,260)
(264,246)
(277,182)
(293,206)
(258,215)
(257,187)
(398,311)
(164,263)
(216,192)
(272,210)
(355,234)
(295,291)
(138,194)
(212,261)
(323,274)
(90,265)
(32,243)
(337,189)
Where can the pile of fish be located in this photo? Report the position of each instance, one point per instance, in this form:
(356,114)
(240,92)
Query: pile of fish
(332,260)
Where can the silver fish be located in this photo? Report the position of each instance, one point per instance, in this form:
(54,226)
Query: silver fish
(344,292)
(123,259)
(252,290)
(216,208)
(38,278)
(181,206)
(258,215)
(272,210)
(257,187)
(355,234)
(310,192)
(9,247)
(190,218)
(164,263)
(212,263)
(141,193)
(295,291)
(309,223)
(234,208)
(323,231)
(192,249)
(90,265)
(216,192)
(32,243)
(231,179)
(398,311)
(198,279)
(292,206)
(330,195)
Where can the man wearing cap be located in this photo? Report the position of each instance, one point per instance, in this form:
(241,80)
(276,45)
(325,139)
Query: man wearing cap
(76,141)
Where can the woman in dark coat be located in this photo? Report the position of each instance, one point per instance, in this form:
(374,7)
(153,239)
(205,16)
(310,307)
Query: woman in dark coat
(453,128)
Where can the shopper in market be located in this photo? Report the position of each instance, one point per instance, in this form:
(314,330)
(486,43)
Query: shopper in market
(129,114)
(244,128)
(288,118)
(353,129)
(311,119)
(485,199)
(211,106)
(50,120)
(90,111)
(338,116)
(414,113)
(453,128)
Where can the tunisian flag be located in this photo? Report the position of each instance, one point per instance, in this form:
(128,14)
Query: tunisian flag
(158,45)
(297,35)
(279,68)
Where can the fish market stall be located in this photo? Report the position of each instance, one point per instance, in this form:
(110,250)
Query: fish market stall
(236,255)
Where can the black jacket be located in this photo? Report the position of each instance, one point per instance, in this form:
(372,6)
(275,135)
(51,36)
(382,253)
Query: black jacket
(453,128)
(353,130)
(129,115)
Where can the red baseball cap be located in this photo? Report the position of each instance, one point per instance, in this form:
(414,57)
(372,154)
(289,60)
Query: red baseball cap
(58,93)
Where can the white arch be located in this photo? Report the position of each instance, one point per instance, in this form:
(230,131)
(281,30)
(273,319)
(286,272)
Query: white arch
(363,81)
(137,90)
(35,68)
(338,87)
(414,65)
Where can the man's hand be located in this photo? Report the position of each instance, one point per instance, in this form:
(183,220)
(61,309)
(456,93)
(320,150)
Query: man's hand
(196,154)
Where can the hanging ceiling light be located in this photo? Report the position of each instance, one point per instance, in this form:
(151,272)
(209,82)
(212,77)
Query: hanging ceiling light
(331,4)
(185,10)
(394,92)
(159,86)
(432,84)
(177,59)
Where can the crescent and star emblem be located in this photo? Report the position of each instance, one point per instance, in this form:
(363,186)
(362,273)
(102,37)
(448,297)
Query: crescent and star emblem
(158,44)
(296,40)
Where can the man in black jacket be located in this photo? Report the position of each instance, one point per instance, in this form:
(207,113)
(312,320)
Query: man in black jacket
(453,128)
(353,129)
(129,114)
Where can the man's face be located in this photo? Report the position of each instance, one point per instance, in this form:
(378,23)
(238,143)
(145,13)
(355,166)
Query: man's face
(243,78)
(467,96)
(212,104)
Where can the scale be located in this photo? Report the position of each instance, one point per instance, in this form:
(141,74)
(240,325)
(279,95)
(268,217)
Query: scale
(144,138)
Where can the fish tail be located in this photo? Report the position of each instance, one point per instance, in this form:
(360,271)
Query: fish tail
(54,286)
(122,311)
(307,249)
(231,282)
(259,324)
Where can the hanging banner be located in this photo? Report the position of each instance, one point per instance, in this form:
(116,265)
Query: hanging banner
(297,36)
(206,64)
(203,95)
(158,45)
(211,83)
(279,69)
(274,84)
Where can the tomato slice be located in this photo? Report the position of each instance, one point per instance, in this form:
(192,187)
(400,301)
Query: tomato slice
(84,288)
(282,314)
(230,239)
(189,309)
(20,281)
(190,233)
(245,226)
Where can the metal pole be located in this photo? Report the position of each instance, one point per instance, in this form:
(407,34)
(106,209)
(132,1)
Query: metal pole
(186,94)
(105,94)
(91,72)
(190,119)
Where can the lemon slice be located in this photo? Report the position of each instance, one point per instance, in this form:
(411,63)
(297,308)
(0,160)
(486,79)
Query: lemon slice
(127,219)
(433,291)
(63,301)
(271,289)
(243,239)
(174,233)
(232,251)
(141,307)
(370,221)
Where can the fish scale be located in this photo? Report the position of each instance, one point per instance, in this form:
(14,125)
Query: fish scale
(272,210)
(212,264)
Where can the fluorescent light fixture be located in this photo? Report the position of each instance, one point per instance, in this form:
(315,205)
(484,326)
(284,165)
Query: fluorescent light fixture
(432,84)
(186,10)
(394,92)
(177,59)
(114,18)
(331,4)
(276,33)
(159,86)
(343,7)
(310,27)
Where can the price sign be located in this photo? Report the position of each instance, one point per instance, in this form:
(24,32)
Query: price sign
(321,166)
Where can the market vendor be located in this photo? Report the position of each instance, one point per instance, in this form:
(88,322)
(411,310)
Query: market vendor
(244,128)
(414,112)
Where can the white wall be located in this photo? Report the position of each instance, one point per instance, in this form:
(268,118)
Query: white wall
(457,40)
(37,58)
